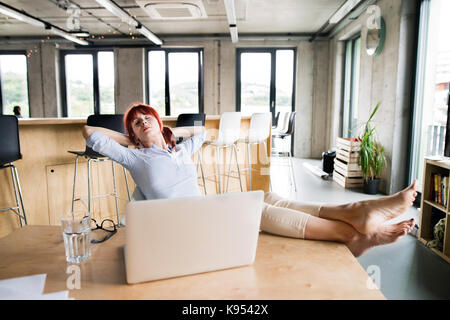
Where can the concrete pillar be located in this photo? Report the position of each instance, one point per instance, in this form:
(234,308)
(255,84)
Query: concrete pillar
(50,76)
(129,77)
(35,85)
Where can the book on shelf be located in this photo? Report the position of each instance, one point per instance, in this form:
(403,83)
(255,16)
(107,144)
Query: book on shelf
(439,189)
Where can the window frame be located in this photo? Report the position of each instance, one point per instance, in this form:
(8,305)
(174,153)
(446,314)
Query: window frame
(96,85)
(166,51)
(15,52)
(273,62)
(349,112)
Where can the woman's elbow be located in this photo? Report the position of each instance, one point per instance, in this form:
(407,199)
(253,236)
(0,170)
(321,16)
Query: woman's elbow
(87,131)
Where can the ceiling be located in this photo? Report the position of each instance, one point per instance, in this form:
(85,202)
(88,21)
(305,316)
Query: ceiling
(254,17)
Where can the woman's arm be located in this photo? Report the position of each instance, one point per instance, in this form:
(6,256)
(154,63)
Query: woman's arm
(120,138)
(187,131)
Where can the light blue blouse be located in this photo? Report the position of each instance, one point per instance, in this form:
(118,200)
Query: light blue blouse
(158,174)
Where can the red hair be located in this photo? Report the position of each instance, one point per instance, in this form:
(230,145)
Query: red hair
(130,115)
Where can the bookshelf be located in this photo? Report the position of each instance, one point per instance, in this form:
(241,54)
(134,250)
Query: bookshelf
(432,210)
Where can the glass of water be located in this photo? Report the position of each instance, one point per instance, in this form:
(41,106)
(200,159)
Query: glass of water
(76,234)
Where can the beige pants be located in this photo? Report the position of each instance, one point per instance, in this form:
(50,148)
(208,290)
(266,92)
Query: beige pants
(286,217)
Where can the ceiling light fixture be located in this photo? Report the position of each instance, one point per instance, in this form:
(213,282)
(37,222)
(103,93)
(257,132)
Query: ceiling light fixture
(68,36)
(149,35)
(16,14)
(82,34)
(231,16)
(112,7)
(234,34)
(343,10)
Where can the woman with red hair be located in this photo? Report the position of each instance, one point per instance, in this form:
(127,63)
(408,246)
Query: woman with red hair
(163,169)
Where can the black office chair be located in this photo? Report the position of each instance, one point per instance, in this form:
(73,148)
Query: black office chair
(112,122)
(191,120)
(10,152)
(283,135)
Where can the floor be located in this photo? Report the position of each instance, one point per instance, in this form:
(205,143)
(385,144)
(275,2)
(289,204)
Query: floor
(402,270)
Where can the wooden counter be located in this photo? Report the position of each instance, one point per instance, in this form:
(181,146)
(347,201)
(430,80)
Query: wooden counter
(284,268)
(46,171)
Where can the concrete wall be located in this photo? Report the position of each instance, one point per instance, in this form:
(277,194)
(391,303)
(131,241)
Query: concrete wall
(383,78)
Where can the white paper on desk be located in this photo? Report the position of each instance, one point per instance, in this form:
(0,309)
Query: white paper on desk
(29,285)
(28,288)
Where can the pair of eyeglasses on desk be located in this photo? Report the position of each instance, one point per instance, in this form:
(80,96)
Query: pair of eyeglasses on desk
(106,225)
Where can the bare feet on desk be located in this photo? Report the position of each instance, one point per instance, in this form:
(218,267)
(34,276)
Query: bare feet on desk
(368,215)
(384,234)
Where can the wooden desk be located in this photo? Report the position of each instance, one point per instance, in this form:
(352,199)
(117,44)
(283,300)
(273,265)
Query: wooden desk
(284,268)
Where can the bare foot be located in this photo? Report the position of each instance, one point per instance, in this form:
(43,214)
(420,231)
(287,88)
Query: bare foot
(383,235)
(366,216)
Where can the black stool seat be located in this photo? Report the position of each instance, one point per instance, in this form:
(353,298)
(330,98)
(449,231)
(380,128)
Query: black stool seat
(9,139)
(10,152)
(190,120)
(108,121)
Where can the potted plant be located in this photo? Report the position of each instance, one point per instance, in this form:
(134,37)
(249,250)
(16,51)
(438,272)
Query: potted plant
(371,156)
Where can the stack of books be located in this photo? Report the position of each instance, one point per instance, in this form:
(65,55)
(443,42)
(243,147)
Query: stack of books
(439,189)
(347,172)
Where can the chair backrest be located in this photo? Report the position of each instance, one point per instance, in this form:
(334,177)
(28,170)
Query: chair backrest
(191,119)
(283,125)
(229,127)
(9,139)
(108,121)
(259,127)
(275,120)
(291,123)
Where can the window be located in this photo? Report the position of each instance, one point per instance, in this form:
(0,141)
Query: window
(265,80)
(175,81)
(432,85)
(351,86)
(87,79)
(14,83)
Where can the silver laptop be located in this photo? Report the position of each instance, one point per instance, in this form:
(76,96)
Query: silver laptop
(173,237)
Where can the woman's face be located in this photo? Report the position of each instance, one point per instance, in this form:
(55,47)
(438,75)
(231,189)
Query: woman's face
(144,127)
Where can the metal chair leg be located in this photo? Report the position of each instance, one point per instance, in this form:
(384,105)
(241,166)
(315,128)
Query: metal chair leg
(249,151)
(200,161)
(89,185)
(292,169)
(237,164)
(115,193)
(13,177)
(126,182)
(229,170)
(74,182)
(268,162)
(218,166)
(20,196)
